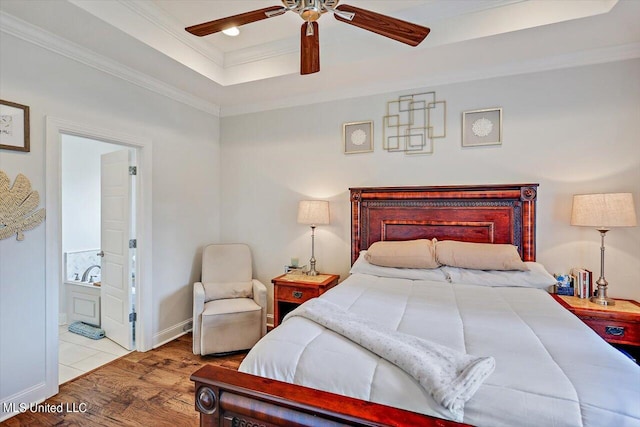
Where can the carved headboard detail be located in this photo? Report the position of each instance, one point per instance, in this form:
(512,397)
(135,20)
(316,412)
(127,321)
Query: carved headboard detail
(471,213)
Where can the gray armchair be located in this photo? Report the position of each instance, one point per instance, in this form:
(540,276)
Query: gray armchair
(229,305)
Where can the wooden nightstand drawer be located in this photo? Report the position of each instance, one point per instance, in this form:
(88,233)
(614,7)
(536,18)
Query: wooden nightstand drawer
(291,290)
(292,293)
(617,324)
(615,331)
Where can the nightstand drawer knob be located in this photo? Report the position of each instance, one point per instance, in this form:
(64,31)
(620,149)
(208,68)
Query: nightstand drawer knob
(297,294)
(616,331)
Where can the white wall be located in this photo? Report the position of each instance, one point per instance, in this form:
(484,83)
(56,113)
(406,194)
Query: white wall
(81,192)
(573,131)
(185,194)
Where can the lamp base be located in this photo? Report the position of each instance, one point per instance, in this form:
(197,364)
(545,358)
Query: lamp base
(602,300)
(312,269)
(601,296)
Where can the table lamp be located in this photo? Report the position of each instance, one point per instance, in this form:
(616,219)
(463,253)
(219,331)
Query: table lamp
(313,212)
(603,211)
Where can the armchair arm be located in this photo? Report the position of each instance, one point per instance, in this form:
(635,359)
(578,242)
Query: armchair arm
(260,297)
(198,308)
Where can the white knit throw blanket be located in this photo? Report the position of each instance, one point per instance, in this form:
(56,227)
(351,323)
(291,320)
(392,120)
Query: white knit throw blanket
(450,376)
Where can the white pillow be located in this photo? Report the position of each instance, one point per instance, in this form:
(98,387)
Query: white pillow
(364,267)
(536,277)
(215,291)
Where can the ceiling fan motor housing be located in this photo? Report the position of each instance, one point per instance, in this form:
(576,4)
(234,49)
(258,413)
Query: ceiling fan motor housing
(310,10)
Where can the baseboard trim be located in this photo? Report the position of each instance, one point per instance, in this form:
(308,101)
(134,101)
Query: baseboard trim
(171,333)
(18,401)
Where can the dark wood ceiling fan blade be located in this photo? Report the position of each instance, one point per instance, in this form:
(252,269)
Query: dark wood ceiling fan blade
(218,25)
(396,29)
(309,49)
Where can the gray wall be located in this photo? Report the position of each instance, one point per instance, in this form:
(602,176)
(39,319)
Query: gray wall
(573,131)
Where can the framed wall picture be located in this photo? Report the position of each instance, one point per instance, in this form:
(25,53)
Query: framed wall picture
(358,137)
(482,127)
(14,126)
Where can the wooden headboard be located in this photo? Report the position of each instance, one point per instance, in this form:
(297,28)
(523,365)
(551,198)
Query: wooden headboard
(470,213)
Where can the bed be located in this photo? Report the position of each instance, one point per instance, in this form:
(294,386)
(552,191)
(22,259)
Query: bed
(549,368)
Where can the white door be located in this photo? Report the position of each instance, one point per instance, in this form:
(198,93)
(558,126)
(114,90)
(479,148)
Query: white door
(115,301)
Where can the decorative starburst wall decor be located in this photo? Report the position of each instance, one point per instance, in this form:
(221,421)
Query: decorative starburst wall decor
(18,205)
(413,122)
(482,127)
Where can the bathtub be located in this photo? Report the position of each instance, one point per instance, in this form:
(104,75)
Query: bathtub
(83,302)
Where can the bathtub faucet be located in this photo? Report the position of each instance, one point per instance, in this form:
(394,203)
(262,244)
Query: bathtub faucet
(87,271)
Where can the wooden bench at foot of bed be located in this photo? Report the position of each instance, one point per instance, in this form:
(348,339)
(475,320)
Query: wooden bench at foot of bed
(229,398)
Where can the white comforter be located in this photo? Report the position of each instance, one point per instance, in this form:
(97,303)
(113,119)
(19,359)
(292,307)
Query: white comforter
(551,370)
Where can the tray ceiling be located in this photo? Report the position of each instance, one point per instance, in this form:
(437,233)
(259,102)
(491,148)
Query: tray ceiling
(259,69)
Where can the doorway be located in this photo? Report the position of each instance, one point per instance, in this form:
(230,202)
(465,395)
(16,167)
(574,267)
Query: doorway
(85,182)
(55,130)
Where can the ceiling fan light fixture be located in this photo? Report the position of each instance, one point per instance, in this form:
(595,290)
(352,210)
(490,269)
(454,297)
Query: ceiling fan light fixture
(231,32)
(311,10)
(310,15)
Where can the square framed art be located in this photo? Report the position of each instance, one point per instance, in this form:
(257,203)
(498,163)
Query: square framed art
(482,127)
(14,126)
(358,137)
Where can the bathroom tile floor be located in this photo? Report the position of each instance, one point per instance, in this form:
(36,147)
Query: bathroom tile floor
(78,355)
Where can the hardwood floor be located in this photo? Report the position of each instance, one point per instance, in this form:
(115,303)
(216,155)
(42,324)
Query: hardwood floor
(139,389)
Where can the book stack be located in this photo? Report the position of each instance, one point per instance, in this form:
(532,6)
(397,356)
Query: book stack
(583,283)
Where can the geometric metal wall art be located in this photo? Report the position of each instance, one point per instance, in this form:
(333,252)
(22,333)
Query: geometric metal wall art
(17,207)
(413,122)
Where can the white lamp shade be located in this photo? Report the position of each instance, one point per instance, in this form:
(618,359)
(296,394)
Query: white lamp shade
(313,212)
(603,210)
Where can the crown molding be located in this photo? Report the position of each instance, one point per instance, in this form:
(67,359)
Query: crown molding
(167,24)
(557,62)
(16,27)
(262,52)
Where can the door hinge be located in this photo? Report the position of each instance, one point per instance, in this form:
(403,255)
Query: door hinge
(133,243)
(133,170)
(133,317)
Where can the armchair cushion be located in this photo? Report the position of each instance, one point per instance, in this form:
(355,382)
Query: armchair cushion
(215,291)
(226,263)
(231,305)
(230,324)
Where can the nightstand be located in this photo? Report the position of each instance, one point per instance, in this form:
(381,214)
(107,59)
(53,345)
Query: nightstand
(617,324)
(291,290)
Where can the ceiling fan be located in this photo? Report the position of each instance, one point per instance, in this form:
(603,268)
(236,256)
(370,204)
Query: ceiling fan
(310,11)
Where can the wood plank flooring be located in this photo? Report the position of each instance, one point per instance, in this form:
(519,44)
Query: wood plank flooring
(139,389)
